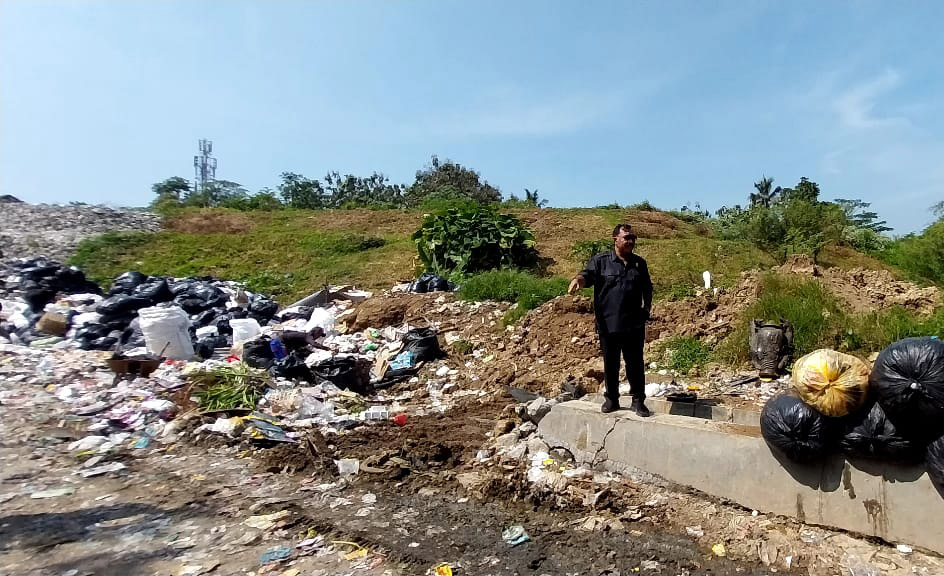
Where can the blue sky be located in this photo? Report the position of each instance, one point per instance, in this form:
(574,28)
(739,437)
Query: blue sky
(590,103)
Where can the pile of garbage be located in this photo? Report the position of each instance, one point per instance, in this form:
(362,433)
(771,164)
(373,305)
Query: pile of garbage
(54,231)
(45,303)
(893,411)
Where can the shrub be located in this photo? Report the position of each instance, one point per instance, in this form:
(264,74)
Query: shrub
(583,250)
(472,239)
(921,257)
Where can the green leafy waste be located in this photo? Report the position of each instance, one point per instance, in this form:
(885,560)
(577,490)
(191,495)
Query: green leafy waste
(234,386)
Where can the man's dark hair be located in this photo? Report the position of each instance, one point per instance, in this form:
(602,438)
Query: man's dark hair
(624,228)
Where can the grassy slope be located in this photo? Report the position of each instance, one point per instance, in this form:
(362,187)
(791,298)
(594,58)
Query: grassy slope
(290,253)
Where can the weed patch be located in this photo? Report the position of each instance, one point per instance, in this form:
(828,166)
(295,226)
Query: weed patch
(522,288)
(684,353)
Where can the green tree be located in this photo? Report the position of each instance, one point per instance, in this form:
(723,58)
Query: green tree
(766,194)
(448,180)
(300,192)
(351,191)
(857,215)
(170,192)
(805,189)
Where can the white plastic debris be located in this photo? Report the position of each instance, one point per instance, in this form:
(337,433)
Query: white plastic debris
(348,466)
(87,443)
(244,330)
(323,318)
(207,331)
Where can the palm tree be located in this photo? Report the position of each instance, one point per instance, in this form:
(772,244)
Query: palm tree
(532,198)
(764,196)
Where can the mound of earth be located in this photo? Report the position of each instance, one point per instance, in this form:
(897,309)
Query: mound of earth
(867,290)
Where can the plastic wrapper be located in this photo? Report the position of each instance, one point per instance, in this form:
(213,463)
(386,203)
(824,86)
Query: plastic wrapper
(908,380)
(795,429)
(870,434)
(834,383)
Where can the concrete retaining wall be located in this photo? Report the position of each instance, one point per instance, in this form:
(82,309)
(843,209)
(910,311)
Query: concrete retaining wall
(732,461)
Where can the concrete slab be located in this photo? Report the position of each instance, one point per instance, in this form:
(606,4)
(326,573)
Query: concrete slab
(728,460)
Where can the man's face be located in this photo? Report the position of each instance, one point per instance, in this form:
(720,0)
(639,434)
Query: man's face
(624,243)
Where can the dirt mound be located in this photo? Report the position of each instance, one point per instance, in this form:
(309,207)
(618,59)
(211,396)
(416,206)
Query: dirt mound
(440,308)
(212,222)
(708,316)
(867,290)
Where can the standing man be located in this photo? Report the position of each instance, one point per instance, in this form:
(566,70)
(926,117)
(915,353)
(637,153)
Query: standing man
(622,300)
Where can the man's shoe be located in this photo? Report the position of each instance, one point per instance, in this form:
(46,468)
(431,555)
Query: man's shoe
(609,406)
(639,407)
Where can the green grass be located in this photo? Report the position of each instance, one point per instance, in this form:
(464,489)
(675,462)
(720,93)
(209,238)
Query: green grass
(874,331)
(676,265)
(287,260)
(524,289)
(685,353)
(816,315)
(820,321)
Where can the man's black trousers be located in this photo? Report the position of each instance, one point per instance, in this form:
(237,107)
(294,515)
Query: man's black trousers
(628,345)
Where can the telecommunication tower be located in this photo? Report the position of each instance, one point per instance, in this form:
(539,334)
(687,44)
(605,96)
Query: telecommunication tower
(204,166)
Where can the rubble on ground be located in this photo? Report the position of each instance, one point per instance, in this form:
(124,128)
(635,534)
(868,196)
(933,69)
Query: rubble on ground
(54,231)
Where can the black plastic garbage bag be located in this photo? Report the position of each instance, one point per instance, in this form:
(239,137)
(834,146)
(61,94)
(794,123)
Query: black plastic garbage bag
(292,367)
(213,296)
(258,354)
(222,323)
(205,346)
(155,290)
(263,309)
(126,283)
(423,343)
(934,461)
(121,304)
(204,318)
(38,297)
(795,429)
(869,434)
(346,372)
(190,304)
(908,380)
(428,282)
(237,313)
(133,337)
(71,280)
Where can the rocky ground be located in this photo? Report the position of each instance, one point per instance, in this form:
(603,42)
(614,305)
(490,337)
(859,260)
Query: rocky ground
(54,231)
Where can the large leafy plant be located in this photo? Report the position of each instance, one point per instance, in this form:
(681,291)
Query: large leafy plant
(472,238)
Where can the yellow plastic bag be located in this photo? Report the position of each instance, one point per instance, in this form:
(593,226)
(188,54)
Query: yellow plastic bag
(833,383)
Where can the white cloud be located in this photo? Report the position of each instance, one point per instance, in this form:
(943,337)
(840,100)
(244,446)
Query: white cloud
(855,106)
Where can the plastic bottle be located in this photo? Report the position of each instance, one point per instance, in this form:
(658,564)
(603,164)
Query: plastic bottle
(278,349)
